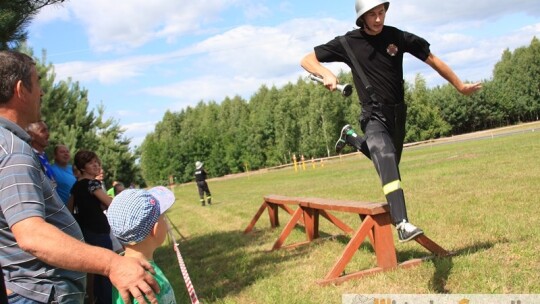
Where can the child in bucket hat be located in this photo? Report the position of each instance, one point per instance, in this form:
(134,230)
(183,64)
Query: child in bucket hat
(137,219)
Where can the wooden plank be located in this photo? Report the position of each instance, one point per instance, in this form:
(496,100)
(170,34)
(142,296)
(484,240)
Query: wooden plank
(344,206)
(280,199)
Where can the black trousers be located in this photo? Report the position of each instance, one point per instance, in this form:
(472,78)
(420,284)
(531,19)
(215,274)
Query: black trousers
(202,186)
(384,133)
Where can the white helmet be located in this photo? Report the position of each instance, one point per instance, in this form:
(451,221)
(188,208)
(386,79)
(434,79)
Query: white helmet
(362,6)
(198,165)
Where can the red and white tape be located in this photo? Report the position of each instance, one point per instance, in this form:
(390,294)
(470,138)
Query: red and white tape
(183,269)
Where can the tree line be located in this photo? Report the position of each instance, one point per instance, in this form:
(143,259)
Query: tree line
(304,118)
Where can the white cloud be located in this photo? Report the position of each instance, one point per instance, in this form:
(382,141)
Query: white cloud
(51,13)
(104,72)
(138,131)
(134,23)
(428,13)
(108,71)
(254,11)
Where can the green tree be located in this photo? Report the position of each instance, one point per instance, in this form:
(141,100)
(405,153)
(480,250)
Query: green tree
(516,77)
(15,17)
(65,108)
(423,116)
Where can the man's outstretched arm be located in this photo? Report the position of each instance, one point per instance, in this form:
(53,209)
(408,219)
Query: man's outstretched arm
(447,73)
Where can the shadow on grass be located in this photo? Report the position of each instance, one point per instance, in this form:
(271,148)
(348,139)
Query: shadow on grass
(443,265)
(221,264)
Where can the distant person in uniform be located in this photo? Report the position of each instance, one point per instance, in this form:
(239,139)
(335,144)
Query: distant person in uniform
(200,179)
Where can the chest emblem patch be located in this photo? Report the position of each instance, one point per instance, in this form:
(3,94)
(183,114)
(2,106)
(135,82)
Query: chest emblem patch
(392,49)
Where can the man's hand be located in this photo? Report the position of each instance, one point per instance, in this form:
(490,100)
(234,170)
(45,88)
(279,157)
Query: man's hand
(130,277)
(330,81)
(470,88)
(313,66)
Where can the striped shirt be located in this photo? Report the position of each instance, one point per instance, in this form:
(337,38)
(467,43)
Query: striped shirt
(26,192)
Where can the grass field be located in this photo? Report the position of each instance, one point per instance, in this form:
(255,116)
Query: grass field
(479,198)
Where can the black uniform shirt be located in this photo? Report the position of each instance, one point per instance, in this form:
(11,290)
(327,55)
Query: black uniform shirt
(380,57)
(200,175)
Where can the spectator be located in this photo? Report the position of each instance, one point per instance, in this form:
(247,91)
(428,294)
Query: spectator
(42,254)
(137,219)
(202,186)
(63,172)
(89,201)
(39,132)
(119,187)
(110,192)
(76,172)
(101,177)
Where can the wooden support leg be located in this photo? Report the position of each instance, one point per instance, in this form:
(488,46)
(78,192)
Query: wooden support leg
(311,220)
(273,214)
(350,249)
(256,217)
(334,220)
(371,239)
(432,246)
(288,228)
(290,211)
(384,241)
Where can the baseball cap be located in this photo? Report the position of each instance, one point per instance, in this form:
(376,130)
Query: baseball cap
(134,212)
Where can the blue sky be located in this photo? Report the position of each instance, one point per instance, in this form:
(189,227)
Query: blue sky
(140,58)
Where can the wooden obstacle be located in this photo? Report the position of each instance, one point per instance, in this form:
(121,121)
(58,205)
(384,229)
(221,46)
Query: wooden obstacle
(375,225)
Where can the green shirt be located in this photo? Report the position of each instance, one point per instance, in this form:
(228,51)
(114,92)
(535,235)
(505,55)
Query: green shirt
(166,293)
